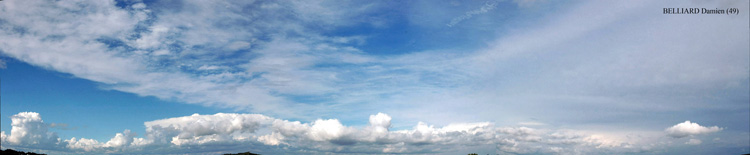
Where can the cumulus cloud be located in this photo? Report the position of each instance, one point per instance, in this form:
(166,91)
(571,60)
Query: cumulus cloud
(198,129)
(380,123)
(28,129)
(688,128)
(272,139)
(193,134)
(3,136)
(120,139)
(82,145)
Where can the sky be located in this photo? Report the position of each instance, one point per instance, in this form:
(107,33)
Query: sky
(374,77)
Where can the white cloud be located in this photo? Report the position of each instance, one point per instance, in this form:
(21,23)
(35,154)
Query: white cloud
(694,142)
(274,138)
(237,45)
(121,139)
(157,53)
(688,128)
(623,58)
(192,134)
(174,51)
(83,144)
(28,129)
(208,67)
(512,77)
(488,6)
(380,123)
(327,130)
(197,129)
(3,137)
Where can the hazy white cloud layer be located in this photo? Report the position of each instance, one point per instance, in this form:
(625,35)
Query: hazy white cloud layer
(587,76)
(224,132)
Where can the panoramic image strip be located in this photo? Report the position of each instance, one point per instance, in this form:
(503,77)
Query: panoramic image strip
(374,77)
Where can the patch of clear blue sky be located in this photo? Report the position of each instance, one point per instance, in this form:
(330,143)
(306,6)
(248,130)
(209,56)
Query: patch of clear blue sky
(88,110)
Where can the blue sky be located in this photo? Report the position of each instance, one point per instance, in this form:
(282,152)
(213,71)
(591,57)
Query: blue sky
(383,77)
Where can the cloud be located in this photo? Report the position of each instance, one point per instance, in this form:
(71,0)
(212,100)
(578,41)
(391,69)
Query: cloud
(694,142)
(380,123)
(121,139)
(83,144)
(688,128)
(198,129)
(61,126)
(28,129)
(527,3)
(532,123)
(488,6)
(197,133)
(256,57)
(271,57)
(549,64)
(278,58)
(272,139)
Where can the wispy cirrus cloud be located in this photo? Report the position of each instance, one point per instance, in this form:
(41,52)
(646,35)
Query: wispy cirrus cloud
(488,6)
(199,52)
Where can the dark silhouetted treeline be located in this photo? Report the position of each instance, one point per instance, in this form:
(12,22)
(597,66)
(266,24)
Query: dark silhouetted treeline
(14,152)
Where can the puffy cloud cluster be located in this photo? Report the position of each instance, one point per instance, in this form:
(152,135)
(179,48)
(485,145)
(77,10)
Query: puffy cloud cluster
(121,139)
(199,129)
(196,133)
(28,129)
(688,128)
(83,144)
(330,135)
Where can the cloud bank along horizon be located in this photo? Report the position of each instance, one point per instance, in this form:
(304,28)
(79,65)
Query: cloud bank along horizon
(230,131)
(510,77)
